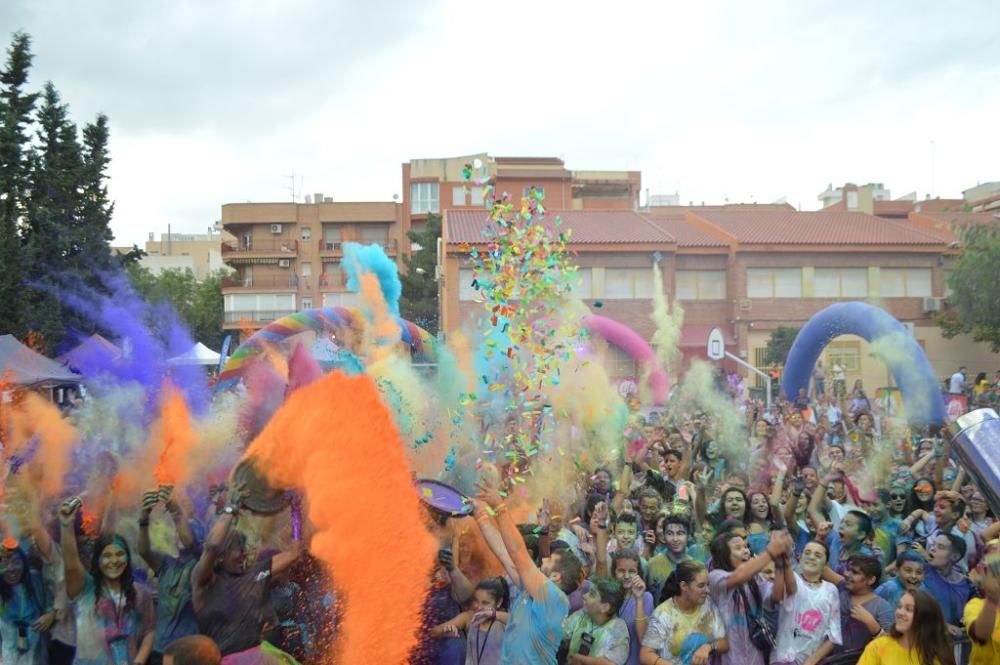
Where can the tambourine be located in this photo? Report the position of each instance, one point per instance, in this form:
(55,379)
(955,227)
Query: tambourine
(443,498)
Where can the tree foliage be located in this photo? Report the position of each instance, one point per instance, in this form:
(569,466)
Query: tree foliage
(199,304)
(973,307)
(779,344)
(419,301)
(55,215)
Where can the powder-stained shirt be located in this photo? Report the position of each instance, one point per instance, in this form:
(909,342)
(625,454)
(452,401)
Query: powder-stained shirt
(174,615)
(675,635)
(535,628)
(611,639)
(107,631)
(808,617)
(982,654)
(741,649)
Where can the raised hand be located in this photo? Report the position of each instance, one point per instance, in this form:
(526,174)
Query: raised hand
(68,510)
(149,501)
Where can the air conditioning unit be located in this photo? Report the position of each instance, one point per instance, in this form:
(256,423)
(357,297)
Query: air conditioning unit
(284,263)
(745,304)
(932,304)
(275,228)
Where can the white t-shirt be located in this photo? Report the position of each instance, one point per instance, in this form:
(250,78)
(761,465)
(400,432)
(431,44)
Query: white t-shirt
(957,383)
(807,618)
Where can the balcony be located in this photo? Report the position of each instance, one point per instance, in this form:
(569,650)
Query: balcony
(254,317)
(259,248)
(267,282)
(335,248)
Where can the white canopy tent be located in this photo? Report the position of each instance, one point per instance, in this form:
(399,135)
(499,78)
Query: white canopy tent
(199,354)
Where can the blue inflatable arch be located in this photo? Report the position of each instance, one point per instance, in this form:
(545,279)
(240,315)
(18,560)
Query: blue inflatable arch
(905,359)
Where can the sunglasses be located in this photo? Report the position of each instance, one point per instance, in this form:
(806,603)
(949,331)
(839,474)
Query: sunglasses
(923,488)
(897,496)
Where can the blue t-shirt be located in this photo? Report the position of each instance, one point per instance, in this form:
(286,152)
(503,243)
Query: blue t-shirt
(174,615)
(951,596)
(535,628)
(838,557)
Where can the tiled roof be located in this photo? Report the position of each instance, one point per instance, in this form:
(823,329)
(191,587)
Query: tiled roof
(815,228)
(893,208)
(589,227)
(939,205)
(944,224)
(686,234)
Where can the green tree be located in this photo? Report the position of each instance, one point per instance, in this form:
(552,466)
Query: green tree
(93,238)
(779,344)
(199,304)
(972,306)
(419,300)
(16,107)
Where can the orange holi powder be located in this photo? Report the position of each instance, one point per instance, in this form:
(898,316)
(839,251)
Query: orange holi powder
(335,441)
(178,439)
(36,416)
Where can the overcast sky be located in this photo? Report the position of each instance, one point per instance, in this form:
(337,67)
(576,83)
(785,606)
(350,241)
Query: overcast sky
(215,102)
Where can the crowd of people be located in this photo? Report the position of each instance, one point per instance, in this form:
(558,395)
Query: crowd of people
(829,533)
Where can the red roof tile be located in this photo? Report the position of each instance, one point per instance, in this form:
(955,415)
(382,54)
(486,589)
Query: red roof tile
(893,208)
(686,234)
(939,205)
(945,225)
(620,227)
(816,228)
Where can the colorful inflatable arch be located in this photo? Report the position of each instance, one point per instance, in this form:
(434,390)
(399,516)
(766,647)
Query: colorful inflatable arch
(904,357)
(637,349)
(319,320)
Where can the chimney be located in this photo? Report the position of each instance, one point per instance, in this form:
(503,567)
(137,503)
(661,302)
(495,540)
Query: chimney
(318,197)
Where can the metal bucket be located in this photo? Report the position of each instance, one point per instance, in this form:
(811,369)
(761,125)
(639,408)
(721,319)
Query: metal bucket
(975,440)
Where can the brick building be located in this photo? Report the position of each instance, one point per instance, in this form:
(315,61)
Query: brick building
(287,256)
(746,271)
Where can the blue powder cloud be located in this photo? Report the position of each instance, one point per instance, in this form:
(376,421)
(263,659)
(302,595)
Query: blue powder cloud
(359,259)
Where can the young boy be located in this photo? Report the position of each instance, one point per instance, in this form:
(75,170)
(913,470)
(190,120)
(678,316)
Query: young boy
(675,536)
(909,577)
(595,633)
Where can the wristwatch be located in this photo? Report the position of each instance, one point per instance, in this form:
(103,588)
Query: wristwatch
(229,510)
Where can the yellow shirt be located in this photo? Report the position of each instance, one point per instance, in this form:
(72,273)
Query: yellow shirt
(982,654)
(886,650)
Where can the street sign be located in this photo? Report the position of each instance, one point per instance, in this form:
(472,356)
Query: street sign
(716,345)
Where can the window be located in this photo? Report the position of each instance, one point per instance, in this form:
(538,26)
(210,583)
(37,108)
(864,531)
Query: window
(905,282)
(306,268)
(477,196)
(258,306)
(333,276)
(852,200)
(465,289)
(701,284)
(375,233)
(538,188)
(584,286)
(458,195)
(774,282)
(307,303)
(340,299)
(307,233)
(847,354)
(841,282)
(424,197)
(628,283)
(622,365)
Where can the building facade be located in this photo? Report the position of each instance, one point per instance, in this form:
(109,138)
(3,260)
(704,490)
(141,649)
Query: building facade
(286,257)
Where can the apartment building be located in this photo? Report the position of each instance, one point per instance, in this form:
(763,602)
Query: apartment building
(286,257)
(437,185)
(747,272)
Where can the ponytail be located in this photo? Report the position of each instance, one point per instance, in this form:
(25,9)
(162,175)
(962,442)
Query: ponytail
(499,588)
(685,572)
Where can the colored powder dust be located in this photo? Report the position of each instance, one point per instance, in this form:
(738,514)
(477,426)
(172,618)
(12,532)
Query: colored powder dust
(47,467)
(178,439)
(322,442)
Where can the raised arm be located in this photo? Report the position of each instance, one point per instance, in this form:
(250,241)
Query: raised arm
(152,558)
(203,575)
(982,628)
(746,570)
(179,514)
(75,573)
(491,534)
(599,527)
(532,579)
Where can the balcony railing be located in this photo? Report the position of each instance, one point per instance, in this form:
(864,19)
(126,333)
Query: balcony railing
(261,246)
(256,316)
(264,282)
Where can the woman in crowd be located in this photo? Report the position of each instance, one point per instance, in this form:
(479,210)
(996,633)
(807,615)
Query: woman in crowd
(809,621)
(687,627)
(24,608)
(114,616)
(638,605)
(760,522)
(918,636)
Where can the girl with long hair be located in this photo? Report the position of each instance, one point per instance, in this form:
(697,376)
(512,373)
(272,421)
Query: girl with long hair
(918,636)
(740,592)
(23,609)
(114,616)
(687,627)
(483,624)
(760,522)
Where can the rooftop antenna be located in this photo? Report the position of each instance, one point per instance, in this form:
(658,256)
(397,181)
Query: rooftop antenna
(292,187)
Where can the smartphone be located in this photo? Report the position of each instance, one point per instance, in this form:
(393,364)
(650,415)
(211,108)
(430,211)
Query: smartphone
(586,641)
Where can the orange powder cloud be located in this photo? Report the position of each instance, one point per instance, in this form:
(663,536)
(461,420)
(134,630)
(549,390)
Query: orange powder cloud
(36,416)
(335,441)
(179,439)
